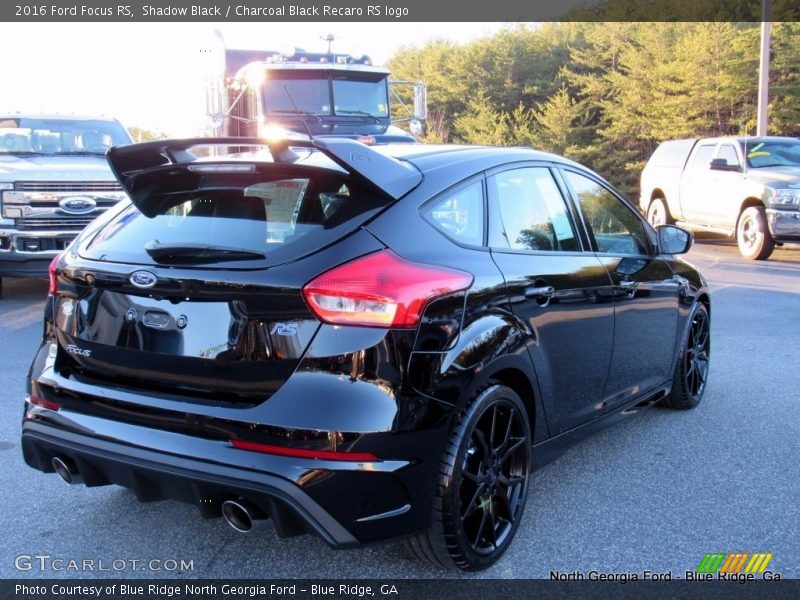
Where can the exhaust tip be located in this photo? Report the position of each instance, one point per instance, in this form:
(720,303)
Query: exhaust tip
(242,516)
(67,470)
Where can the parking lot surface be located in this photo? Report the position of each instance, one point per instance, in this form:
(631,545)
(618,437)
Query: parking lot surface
(656,492)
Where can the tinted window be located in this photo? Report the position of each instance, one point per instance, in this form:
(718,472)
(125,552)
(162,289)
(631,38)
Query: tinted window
(728,152)
(359,97)
(613,224)
(287,92)
(531,212)
(702,158)
(460,214)
(782,153)
(280,217)
(60,136)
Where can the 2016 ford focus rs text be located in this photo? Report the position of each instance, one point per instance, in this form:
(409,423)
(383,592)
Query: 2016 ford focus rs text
(358,342)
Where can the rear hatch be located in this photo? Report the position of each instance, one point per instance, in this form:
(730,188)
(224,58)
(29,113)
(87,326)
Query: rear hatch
(194,290)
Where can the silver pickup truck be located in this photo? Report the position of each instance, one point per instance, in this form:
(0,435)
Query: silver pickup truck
(743,187)
(54,180)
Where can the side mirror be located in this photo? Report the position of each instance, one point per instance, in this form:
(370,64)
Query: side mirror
(673,240)
(420,101)
(721,164)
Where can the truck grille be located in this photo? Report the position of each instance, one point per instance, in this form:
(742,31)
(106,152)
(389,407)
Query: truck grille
(68,186)
(64,223)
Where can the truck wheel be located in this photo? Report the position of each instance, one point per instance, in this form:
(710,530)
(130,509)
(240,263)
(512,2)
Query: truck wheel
(658,213)
(691,372)
(752,234)
(483,484)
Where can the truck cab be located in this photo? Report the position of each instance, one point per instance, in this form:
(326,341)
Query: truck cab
(263,93)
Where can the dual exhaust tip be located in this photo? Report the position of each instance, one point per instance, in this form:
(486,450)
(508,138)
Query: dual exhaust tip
(242,515)
(67,470)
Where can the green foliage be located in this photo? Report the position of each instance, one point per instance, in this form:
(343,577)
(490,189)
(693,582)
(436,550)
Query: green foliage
(606,94)
(481,124)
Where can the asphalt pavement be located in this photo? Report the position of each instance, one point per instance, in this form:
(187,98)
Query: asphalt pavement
(656,492)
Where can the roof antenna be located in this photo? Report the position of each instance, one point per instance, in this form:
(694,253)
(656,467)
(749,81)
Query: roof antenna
(297,110)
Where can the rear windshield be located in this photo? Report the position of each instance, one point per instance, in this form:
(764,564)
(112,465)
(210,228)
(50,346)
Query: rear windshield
(271,218)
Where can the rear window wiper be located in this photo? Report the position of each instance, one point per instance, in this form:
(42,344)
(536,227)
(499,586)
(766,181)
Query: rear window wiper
(199,253)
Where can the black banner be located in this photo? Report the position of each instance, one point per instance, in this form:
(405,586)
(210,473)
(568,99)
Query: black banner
(394,10)
(463,589)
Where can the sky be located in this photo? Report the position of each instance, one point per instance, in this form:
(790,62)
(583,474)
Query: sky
(149,74)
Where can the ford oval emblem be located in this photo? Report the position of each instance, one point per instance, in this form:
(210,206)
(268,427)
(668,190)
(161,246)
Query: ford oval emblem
(77,205)
(143,279)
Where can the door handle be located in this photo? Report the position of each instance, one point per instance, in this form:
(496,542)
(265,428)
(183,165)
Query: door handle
(628,284)
(545,291)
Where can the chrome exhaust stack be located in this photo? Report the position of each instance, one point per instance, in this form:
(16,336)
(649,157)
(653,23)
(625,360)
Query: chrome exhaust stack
(243,516)
(67,470)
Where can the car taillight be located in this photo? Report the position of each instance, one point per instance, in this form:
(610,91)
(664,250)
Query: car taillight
(303,452)
(51,271)
(380,290)
(38,401)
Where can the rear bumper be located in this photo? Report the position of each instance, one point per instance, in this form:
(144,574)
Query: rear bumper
(346,503)
(784,225)
(156,475)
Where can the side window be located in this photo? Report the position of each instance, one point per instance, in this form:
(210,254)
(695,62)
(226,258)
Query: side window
(702,158)
(615,227)
(459,215)
(728,152)
(530,212)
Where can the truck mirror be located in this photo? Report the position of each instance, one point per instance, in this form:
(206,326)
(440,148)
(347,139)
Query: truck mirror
(420,101)
(721,164)
(674,240)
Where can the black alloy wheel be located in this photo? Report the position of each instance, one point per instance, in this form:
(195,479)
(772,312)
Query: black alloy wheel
(483,484)
(691,373)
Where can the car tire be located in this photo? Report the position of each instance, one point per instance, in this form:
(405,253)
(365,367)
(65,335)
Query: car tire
(691,372)
(658,213)
(482,484)
(752,234)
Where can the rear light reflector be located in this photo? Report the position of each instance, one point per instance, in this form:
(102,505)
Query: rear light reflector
(41,402)
(51,272)
(304,453)
(380,290)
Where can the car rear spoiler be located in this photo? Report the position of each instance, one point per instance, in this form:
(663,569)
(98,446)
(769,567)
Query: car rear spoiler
(393,177)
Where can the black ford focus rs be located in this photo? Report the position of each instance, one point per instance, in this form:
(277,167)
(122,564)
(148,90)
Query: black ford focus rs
(358,342)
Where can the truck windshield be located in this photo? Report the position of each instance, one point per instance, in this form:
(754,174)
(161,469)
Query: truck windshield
(322,95)
(772,154)
(20,135)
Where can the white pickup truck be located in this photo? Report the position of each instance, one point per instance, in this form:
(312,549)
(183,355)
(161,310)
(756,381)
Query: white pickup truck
(54,180)
(747,187)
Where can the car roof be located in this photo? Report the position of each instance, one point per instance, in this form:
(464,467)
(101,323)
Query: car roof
(430,156)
